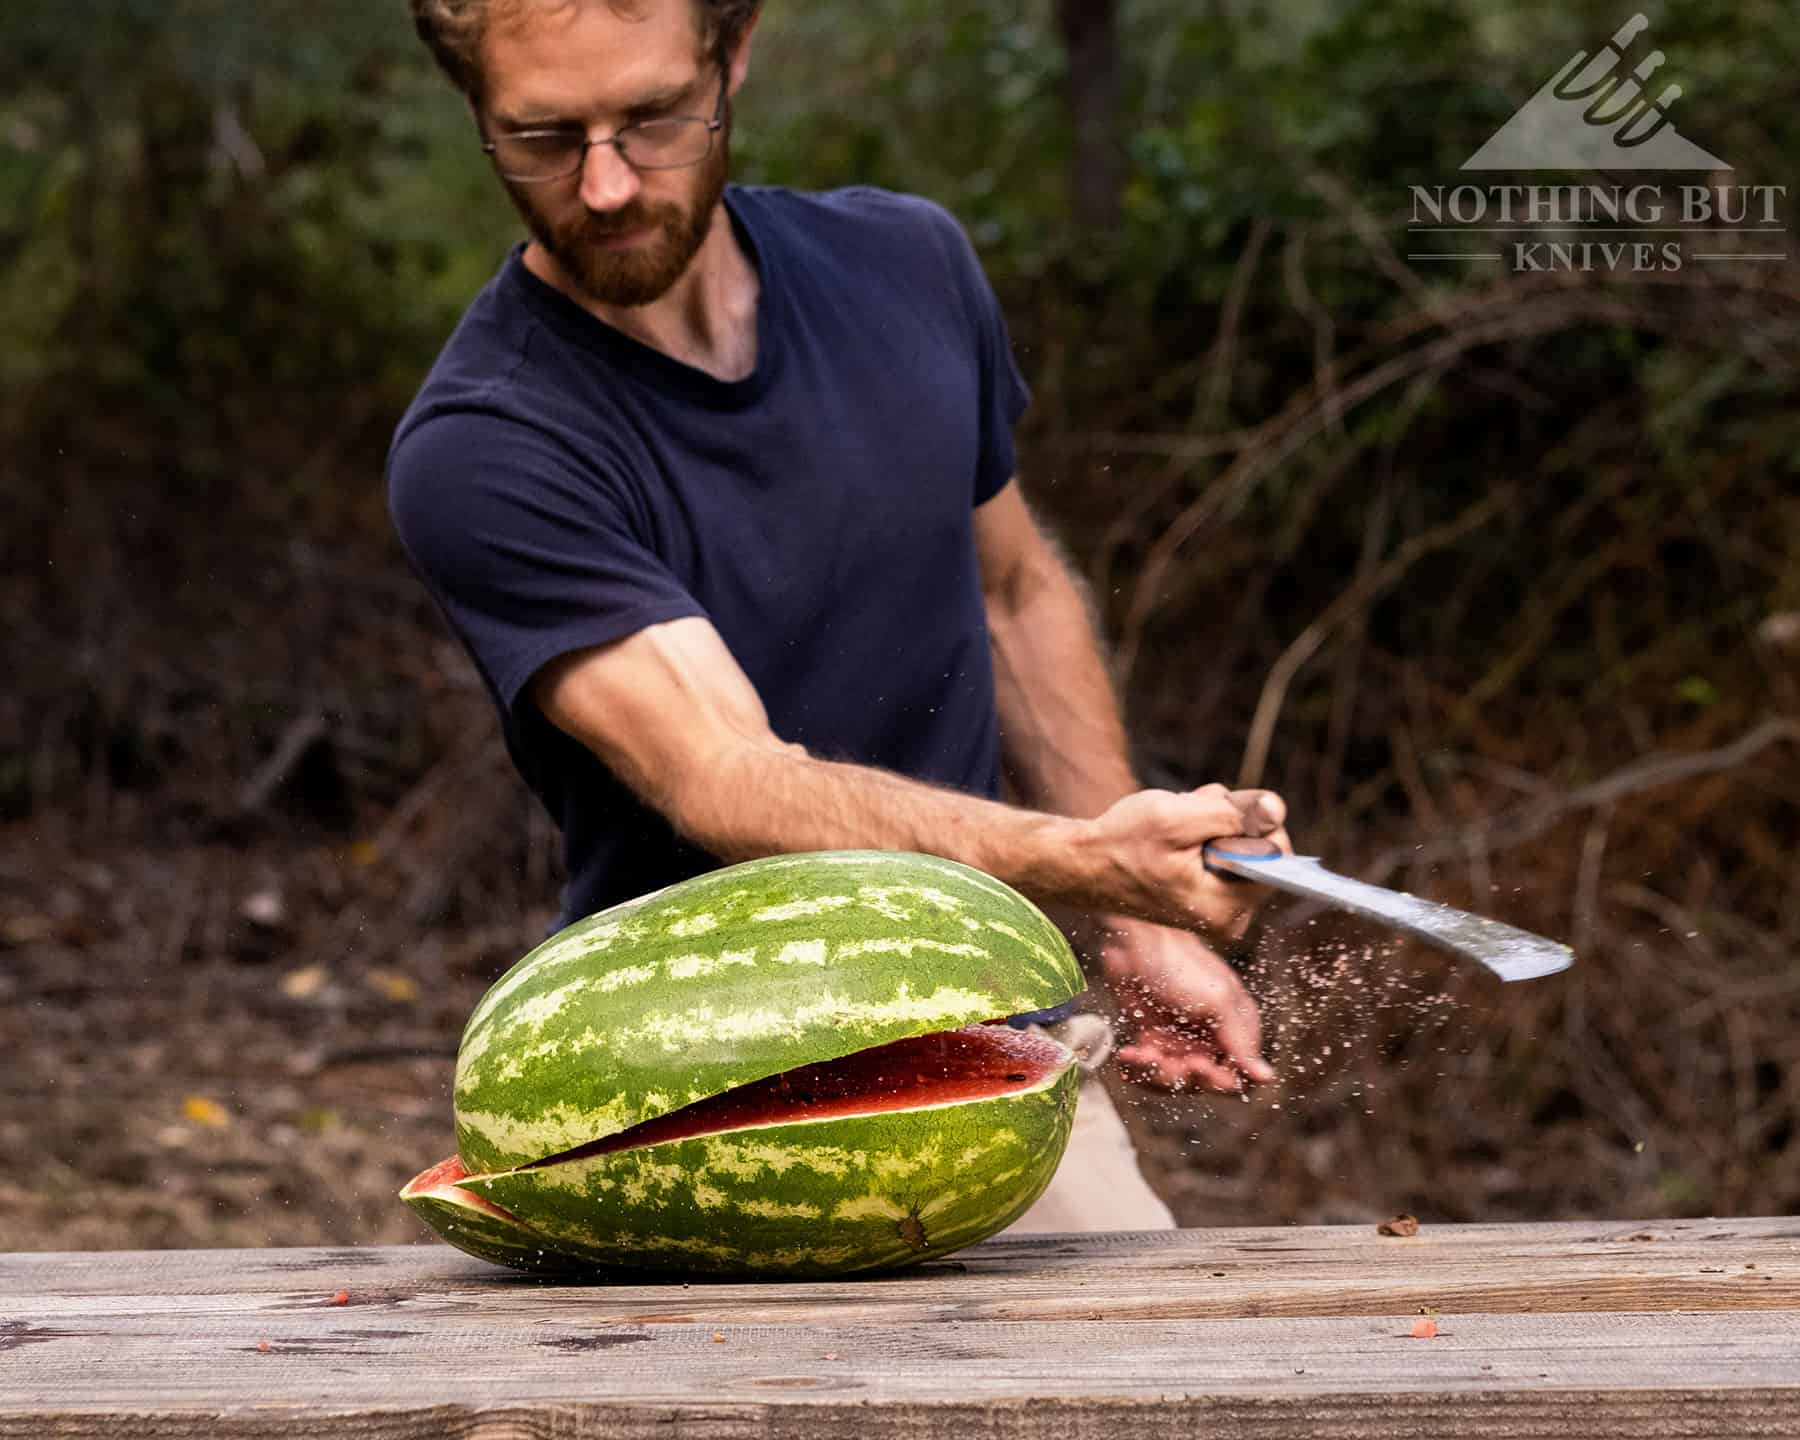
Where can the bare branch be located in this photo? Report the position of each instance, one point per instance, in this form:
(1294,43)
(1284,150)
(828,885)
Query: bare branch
(1302,647)
(1525,823)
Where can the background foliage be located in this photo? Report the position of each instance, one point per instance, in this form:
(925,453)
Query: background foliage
(1469,557)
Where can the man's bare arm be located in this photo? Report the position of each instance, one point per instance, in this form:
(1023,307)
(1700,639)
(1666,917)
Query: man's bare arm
(1061,735)
(673,715)
(1065,751)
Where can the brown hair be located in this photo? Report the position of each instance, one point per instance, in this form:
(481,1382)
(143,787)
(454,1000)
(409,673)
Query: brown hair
(452,30)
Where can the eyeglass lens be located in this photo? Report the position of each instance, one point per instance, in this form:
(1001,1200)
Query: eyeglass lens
(652,145)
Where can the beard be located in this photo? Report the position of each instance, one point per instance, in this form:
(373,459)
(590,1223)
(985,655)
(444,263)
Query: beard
(646,271)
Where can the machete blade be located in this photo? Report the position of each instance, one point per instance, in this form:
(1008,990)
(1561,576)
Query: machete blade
(1511,953)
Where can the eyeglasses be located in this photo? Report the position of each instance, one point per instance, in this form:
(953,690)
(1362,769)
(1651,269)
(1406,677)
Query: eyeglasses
(532,156)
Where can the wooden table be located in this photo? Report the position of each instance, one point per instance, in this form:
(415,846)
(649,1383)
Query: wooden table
(1689,1328)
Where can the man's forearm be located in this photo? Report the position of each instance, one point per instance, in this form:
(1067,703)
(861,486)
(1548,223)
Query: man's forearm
(758,800)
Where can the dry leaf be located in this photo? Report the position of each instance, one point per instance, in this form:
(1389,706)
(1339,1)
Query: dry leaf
(207,1113)
(1402,1226)
(401,989)
(305,983)
(26,929)
(319,1119)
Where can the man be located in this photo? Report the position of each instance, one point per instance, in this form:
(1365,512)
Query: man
(716,484)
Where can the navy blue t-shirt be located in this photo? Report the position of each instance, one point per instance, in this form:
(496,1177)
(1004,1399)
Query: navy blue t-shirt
(559,485)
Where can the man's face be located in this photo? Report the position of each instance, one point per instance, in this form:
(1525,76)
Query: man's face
(619,235)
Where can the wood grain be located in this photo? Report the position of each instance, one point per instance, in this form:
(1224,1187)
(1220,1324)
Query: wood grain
(1552,1330)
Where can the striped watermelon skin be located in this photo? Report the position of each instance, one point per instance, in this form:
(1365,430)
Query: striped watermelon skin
(813,1199)
(734,976)
(480,1228)
(488,1237)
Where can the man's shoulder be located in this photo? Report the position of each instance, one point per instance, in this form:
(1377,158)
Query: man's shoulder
(848,204)
(479,362)
(507,386)
(853,221)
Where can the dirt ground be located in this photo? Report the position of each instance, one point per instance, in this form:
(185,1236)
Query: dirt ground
(157,1101)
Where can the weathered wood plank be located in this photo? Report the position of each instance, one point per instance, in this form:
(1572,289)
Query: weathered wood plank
(1265,1333)
(1688,1265)
(1624,1416)
(213,1379)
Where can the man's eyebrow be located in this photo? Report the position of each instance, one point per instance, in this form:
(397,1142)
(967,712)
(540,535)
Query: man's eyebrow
(664,98)
(546,120)
(533,122)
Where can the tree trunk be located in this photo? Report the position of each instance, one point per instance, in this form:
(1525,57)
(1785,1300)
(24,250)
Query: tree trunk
(1090,37)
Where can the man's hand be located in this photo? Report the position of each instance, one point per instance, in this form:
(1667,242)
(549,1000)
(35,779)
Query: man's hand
(1195,1023)
(1151,841)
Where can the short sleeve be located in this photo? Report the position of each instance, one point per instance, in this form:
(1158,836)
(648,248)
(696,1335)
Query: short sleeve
(529,553)
(1004,393)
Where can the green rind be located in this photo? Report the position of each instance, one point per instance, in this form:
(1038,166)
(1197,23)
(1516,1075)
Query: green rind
(734,976)
(488,1237)
(810,1199)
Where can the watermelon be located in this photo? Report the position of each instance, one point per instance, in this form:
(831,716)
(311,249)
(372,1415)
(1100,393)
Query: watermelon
(782,1068)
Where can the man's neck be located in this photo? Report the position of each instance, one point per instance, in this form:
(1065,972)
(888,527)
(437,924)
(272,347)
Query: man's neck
(706,320)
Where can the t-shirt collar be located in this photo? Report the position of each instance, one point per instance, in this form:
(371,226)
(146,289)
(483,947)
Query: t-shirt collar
(644,362)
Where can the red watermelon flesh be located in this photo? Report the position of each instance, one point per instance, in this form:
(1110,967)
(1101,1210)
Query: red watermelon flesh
(443,1180)
(977,1062)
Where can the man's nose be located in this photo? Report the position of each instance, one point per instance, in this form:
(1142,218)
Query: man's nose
(607,182)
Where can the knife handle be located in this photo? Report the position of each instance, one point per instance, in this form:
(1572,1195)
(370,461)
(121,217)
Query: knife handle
(1239,848)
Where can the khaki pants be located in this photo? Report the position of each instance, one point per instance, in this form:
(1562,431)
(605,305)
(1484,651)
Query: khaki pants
(1098,1186)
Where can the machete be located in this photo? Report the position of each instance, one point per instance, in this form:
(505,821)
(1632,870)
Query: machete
(1511,953)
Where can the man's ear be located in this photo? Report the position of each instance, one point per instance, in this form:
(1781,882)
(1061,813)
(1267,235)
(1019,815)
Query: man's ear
(740,59)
